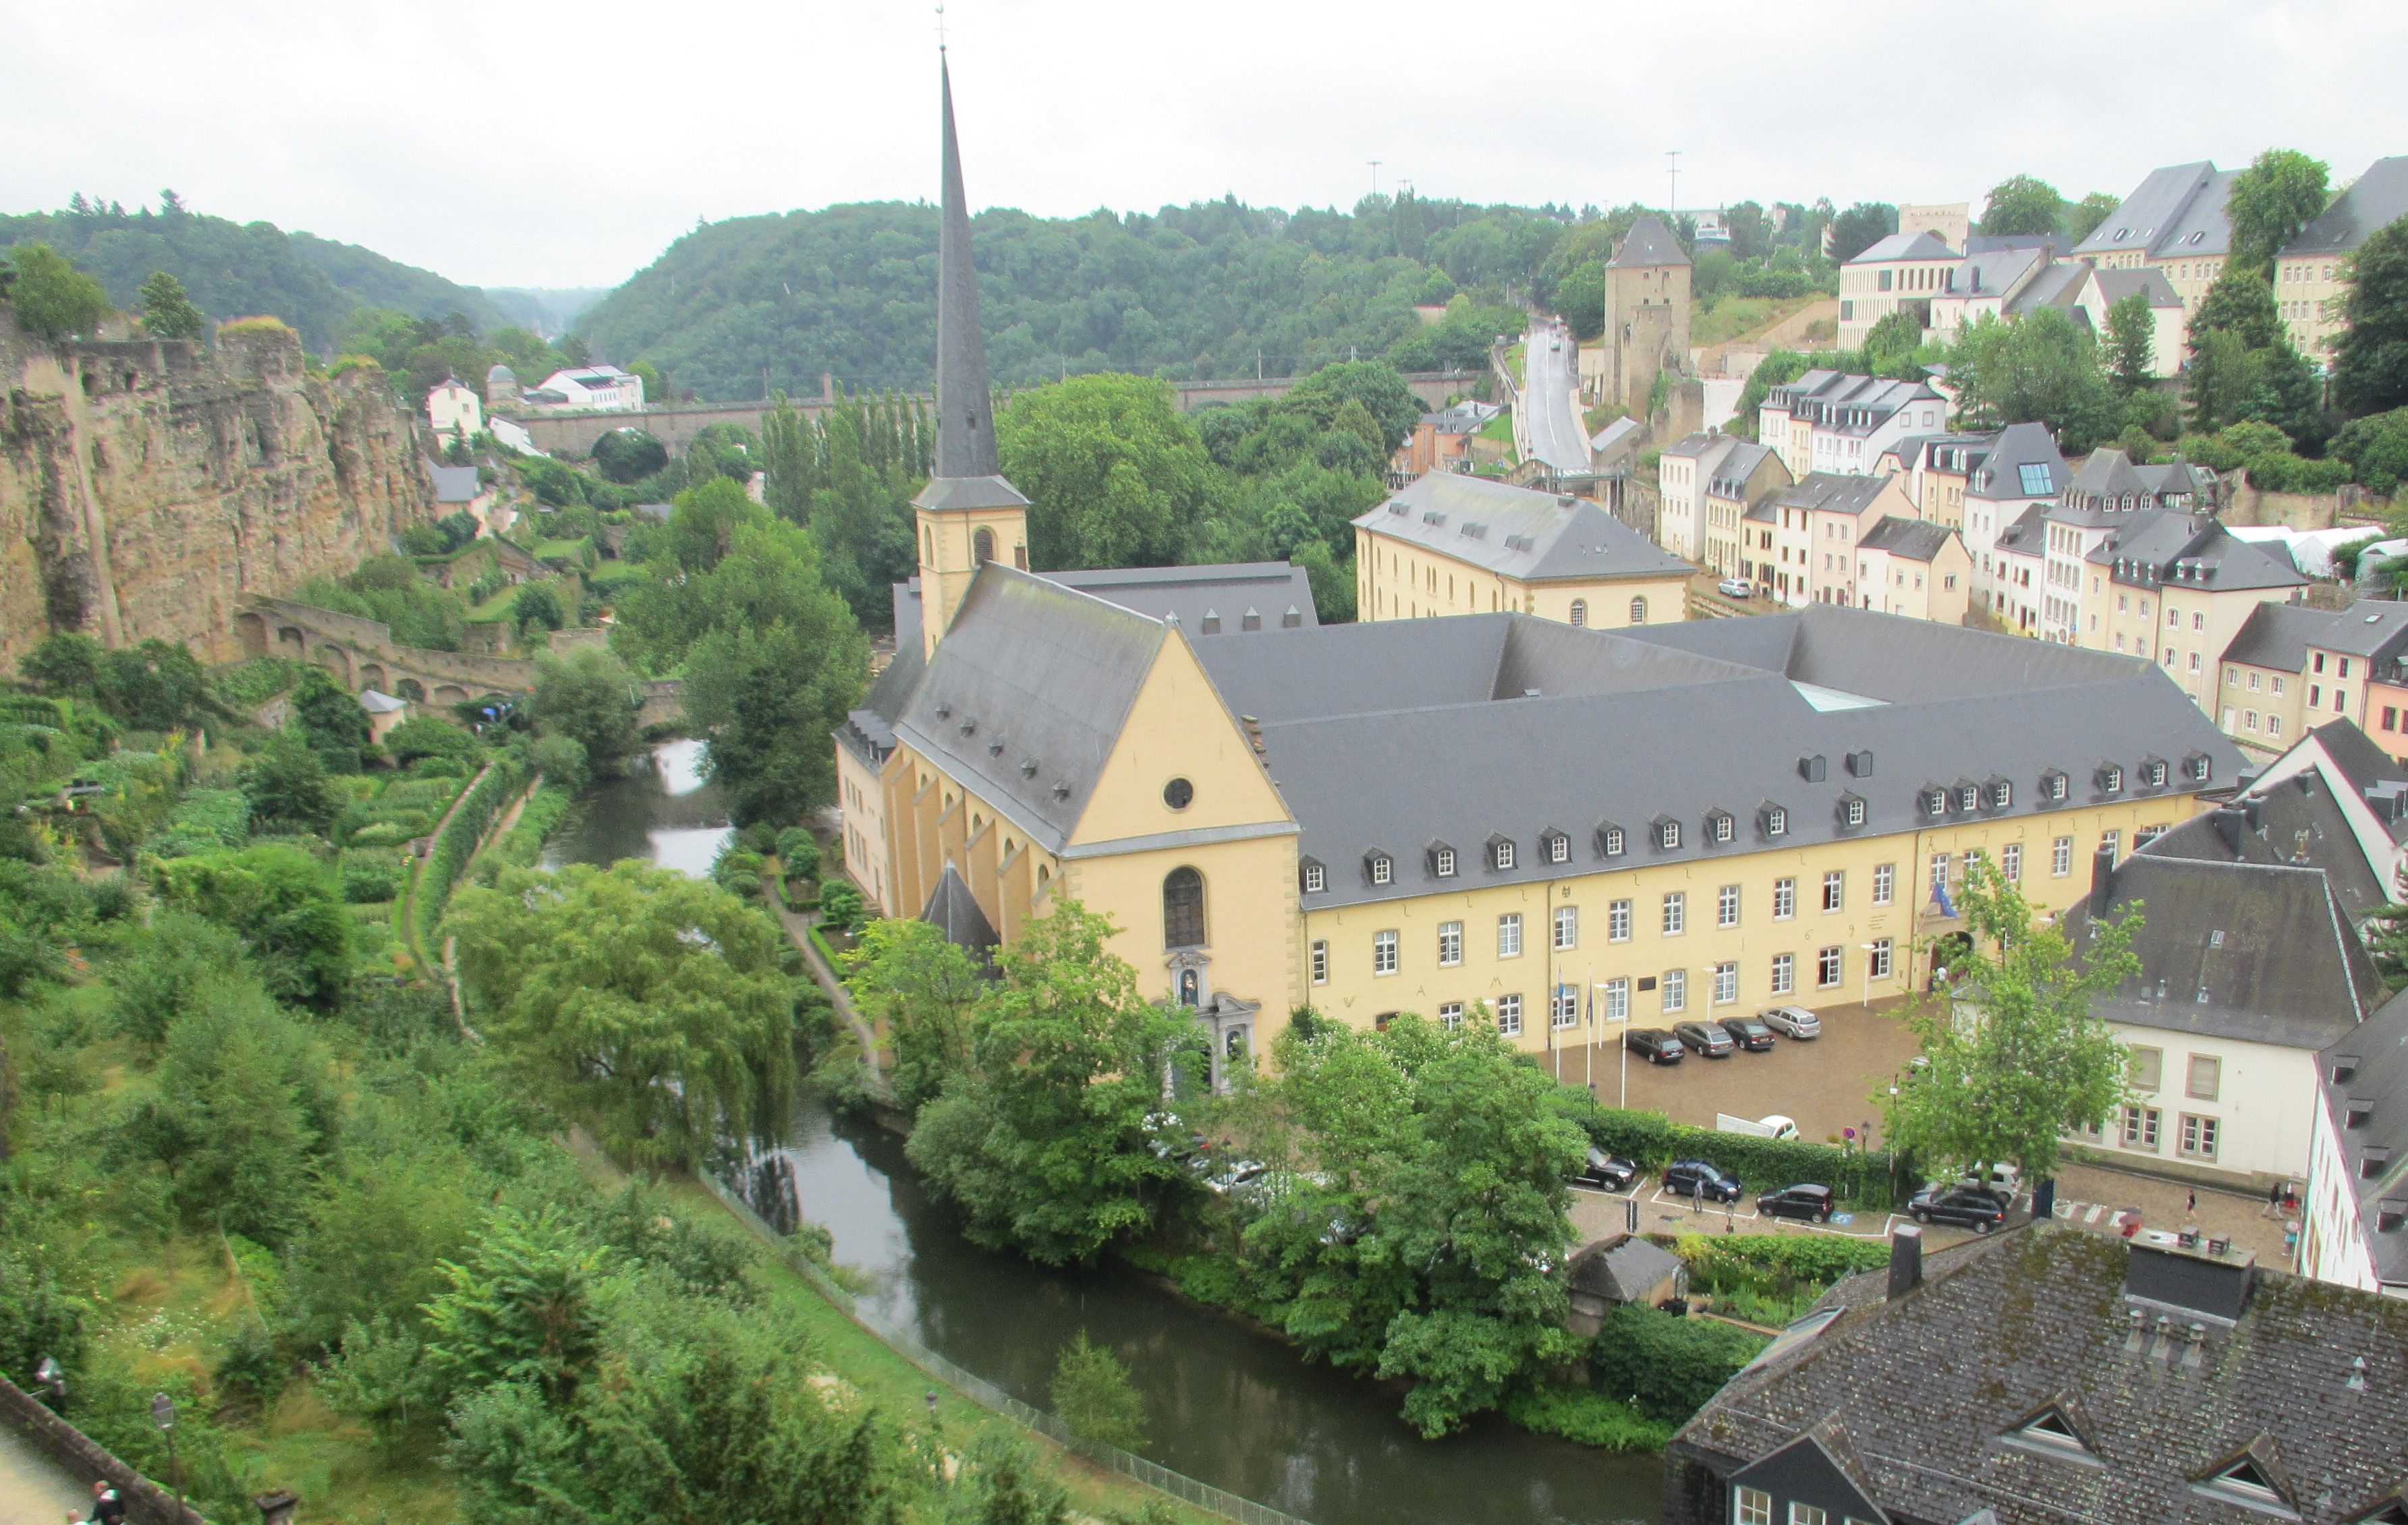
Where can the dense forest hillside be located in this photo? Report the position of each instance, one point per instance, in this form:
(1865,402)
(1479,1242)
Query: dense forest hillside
(238,270)
(1205,290)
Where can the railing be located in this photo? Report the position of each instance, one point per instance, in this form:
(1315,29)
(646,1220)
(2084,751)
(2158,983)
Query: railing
(985,1393)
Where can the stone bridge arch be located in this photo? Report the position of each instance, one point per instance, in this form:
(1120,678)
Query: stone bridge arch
(371,675)
(336,660)
(252,629)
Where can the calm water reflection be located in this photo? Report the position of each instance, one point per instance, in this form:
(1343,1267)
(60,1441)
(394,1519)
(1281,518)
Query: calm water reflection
(1229,1406)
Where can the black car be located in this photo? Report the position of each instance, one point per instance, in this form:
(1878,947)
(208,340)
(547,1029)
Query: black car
(1608,1172)
(1967,1207)
(1697,1178)
(1810,1202)
(1748,1034)
(1707,1038)
(1654,1045)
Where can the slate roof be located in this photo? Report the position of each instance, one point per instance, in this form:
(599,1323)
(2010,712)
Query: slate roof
(1649,242)
(1999,475)
(1732,473)
(454,484)
(2244,949)
(2055,287)
(1905,246)
(1193,595)
(2025,537)
(1625,1268)
(2276,636)
(1834,490)
(2360,760)
(2375,198)
(1927,1387)
(2369,628)
(1516,533)
(2144,220)
(1995,272)
(1440,712)
(2202,228)
(2378,1081)
(2116,285)
(1914,540)
(953,911)
(2296,821)
(2165,548)
(1613,435)
(1701,443)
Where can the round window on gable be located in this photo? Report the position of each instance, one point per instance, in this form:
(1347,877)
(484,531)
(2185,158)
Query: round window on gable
(1179,793)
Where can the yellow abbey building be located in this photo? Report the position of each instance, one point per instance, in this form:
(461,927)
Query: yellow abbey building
(1494,817)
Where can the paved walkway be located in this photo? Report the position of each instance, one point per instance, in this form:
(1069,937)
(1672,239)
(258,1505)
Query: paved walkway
(33,1490)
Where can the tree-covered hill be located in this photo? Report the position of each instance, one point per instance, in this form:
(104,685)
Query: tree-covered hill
(1197,291)
(236,270)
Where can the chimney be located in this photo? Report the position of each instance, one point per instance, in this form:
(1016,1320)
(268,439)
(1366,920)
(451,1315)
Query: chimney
(1251,619)
(1292,618)
(2103,880)
(2195,1278)
(1905,1259)
(2252,810)
(1211,625)
(2229,822)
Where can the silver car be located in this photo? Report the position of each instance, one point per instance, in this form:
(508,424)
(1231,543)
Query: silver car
(1792,1022)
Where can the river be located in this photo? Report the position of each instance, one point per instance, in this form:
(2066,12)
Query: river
(1229,1406)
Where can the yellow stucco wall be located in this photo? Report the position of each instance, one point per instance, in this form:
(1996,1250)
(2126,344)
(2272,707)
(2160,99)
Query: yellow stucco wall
(948,558)
(1397,579)
(868,856)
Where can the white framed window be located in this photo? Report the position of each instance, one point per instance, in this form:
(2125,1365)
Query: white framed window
(1383,953)
(2002,794)
(2198,1136)
(1784,899)
(2143,1068)
(1617,1000)
(1855,811)
(2056,785)
(1676,913)
(1776,821)
(1878,957)
(1509,936)
(1450,1014)
(2140,1128)
(1727,906)
(1613,841)
(1805,1514)
(1320,962)
(1668,836)
(2060,858)
(1969,798)
(1938,874)
(1784,973)
(1445,865)
(1676,990)
(2114,842)
(2206,1077)
(1504,855)
(1450,944)
(1835,889)
(1827,968)
(1315,878)
(1563,1010)
(1559,850)
(1884,883)
(1508,1015)
(1721,827)
(1617,921)
(2011,862)
(1567,926)
(1751,1507)
(1726,986)
(1384,869)
(2113,782)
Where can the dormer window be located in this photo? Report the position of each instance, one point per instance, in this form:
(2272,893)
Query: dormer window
(1969,798)
(2197,765)
(2053,786)
(1316,879)
(1935,802)
(2051,1429)
(1852,809)
(1501,854)
(2154,773)
(2002,794)
(1610,841)
(1720,827)
(2245,1481)
(1668,835)
(1558,847)
(1442,862)
(1382,869)
(1776,820)
(2110,780)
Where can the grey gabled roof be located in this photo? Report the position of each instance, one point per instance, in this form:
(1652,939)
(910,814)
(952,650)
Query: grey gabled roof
(1625,1268)
(1916,539)
(1516,533)
(2167,548)
(1614,434)
(2150,281)
(1995,272)
(2276,636)
(2375,1057)
(2360,760)
(1905,246)
(1649,242)
(1025,695)
(2295,821)
(2143,219)
(2377,197)
(2024,536)
(2055,287)
(1276,593)
(1700,444)
(454,484)
(1929,1386)
(1732,473)
(1999,476)
(1836,490)
(2203,227)
(1677,721)
(2369,628)
(2262,952)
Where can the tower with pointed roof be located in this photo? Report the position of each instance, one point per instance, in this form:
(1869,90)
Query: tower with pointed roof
(1646,315)
(967,515)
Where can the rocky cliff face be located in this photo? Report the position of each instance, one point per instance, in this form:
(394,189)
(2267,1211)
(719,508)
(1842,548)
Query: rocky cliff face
(150,489)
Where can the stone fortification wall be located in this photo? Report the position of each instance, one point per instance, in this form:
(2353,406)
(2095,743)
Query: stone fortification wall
(151,488)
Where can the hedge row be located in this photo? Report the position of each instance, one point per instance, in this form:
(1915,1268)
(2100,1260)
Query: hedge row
(447,857)
(1666,1366)
(1654,1140)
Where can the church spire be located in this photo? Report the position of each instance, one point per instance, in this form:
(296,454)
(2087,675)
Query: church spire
(965,429)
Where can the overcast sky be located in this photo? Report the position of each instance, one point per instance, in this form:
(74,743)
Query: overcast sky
(505,143)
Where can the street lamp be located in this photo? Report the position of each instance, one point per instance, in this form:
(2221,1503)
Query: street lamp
(163,1414)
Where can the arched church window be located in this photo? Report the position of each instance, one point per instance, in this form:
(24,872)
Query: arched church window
(1638,611)
(1183,909)
(1579,611)
(982,548)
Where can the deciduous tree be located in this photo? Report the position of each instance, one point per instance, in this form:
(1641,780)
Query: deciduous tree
(2131,340)
(2022,204)
(1115,475)
(167,312)
(2279,193)
(590,697)
(53,299)
(2371,360)
(923,989)
(1860,227)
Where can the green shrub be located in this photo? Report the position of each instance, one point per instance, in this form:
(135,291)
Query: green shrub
(1587,1418)
(1654,1140)
(799,851)
(369,878)
(1667,1367)
(248,685)
(447,857)
(840,905)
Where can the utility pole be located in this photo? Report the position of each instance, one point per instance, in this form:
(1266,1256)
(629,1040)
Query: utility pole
(1375,164)
(1674,156)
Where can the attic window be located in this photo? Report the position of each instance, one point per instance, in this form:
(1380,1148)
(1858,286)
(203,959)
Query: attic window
(1852,809)
(1559,848)
(2111,780)
(1969,797)
(2002,794)
(2051,1427)
(2155,772)
(1434,516)
(2034,476)
(2373,1160)
(2197,765)
(2357,1110)
(1668,835)
(2246,1482)
(1028,770)
(1776,820)
(2053,785)
(1935,802)
(1609,841)
(1383,869)
(1316,879)
(1442,862)
(1719,826)
(1501,854)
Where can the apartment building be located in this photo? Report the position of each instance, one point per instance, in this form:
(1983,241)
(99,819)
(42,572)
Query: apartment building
(2311,274)
(2021,471)
(1683,470)
(2179,588)
(2170,331)
(2289,669)
(2102,497)
(1451,544)
(2173,221)
(1840,422)
(1903,272)
(1915,568)
(1835,513)
(1746,474)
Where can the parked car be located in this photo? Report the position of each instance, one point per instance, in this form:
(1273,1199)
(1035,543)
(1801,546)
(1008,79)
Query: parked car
(2004,1182)
(1749,1033)
(1965,1206)
(1792,1022)
(1608,1172)
(1775,1125)
(1225,1177)
(1697,1178)
(1807,1201)
(1735,588)
(1707,1038)
(1654,1045)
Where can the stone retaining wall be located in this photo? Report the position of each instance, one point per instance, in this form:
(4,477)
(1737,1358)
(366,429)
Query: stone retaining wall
(146,1501)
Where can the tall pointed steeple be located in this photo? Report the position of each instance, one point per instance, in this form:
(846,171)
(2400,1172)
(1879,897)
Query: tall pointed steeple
(965,432)
(967,514)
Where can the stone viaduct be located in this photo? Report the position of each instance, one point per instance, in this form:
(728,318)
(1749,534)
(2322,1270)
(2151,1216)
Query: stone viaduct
(574,434)
(363,654)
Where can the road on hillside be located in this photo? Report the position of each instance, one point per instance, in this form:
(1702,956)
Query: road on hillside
(1550,393)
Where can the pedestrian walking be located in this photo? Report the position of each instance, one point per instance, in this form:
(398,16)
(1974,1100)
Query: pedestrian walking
(2273,1201)
(108,1508)
(2191,1207)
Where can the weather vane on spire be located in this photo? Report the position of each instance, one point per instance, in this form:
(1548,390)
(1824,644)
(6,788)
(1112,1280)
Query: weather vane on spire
(940,29)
